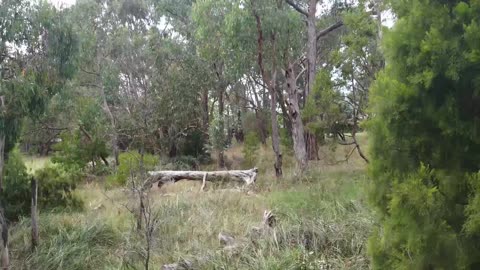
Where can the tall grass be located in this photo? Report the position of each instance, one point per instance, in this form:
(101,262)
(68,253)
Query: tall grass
(322,224)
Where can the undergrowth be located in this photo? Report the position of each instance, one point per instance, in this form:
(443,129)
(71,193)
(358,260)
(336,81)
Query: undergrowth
(322,223)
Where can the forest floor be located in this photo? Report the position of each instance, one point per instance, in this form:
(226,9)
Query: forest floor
(322,222)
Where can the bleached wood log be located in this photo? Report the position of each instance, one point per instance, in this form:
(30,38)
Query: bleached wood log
(247,177)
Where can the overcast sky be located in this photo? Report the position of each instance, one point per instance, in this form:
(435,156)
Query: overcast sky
(64,3)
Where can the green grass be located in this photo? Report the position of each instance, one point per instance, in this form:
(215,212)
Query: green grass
(322,220)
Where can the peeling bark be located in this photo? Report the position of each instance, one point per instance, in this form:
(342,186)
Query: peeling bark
(297,124)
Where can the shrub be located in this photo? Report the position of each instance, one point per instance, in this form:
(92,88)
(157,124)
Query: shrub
(75,151)
(425,147)
(130,166)
(250,148)
(17,187)
(55,188)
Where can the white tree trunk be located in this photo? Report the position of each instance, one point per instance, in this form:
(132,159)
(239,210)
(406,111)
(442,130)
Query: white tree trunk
(245,176)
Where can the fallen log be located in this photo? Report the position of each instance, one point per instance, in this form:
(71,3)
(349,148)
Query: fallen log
(246,176)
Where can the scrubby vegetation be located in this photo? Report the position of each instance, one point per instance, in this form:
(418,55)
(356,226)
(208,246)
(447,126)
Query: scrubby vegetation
(322,220)
(233,134)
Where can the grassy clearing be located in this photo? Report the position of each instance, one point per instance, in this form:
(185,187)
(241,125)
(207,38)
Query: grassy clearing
(322,222)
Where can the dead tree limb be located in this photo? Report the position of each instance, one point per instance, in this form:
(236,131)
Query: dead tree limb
(246,176)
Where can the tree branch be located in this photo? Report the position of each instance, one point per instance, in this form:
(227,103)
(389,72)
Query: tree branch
(296,7)
(329,29)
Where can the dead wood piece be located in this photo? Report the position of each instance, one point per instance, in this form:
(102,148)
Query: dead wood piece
(269,219)
(183,265)
(187,264)
(246,176)
(226,239)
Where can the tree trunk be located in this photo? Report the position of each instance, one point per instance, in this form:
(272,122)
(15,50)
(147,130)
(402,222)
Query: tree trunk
(205,112)
(34,214)
(275,134)
(285,115)
(271,85)
(2,160)
(4,255)
(311,146)
(259,117)
(246,176)
(239,135)
(311,46)
(114,134)
(261,127)
(311,141)
(295,116)
(221,106)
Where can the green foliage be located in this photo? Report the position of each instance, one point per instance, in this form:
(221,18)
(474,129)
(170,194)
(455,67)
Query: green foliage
(324,111)
(55,188)
(38,73)
(131,166)
(217,133)
(286,140)
(17,187)
(425,146)
(194,144)
(75,151)
(83,143)
(250,149)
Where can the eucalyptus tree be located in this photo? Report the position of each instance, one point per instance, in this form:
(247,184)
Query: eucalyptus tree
(308,9)
(210,34)
(37,45)
(36,49)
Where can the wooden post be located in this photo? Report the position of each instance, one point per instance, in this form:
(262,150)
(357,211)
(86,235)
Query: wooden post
(34,214)
(4,257)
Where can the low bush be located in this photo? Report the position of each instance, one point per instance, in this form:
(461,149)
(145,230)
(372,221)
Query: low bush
(55,188)
(130,165)
(250,149)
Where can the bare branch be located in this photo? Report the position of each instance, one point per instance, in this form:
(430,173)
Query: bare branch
(296,7)
(329,29)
